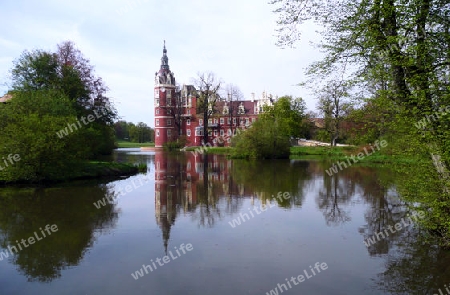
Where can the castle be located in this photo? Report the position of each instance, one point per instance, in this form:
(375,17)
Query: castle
(176,112)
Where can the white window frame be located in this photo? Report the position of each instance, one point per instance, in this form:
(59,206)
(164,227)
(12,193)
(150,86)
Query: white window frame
(188,132)
(222,121)
(157,122)
(221,132)
(169,122)
(200,122)
(169,132)
(157,132)
(188,122)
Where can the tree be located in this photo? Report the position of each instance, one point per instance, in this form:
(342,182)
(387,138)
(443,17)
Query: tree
(69,72)
(269,136)
(176,109)
(401,50)
(140,133)
(208,87)
(233,94)
(28,128)
(331,105)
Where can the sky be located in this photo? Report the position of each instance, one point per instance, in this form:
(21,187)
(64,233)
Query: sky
(123,39)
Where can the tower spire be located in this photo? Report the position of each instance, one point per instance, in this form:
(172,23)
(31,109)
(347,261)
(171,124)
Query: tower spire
(165,59)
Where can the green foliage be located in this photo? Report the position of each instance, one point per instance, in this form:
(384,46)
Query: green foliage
(69,72)
(397,53)
(269,136)
(30,122)
(177,144)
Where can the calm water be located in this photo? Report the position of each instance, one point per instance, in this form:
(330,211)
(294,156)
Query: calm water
(193,201)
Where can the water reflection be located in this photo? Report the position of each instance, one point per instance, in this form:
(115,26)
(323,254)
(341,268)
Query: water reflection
(327,219)
(195,184)
(24,211)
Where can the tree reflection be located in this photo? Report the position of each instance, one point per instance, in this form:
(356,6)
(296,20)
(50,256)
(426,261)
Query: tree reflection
(71,209)
(335,194)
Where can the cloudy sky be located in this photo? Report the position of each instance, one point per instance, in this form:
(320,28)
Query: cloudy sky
(235,39)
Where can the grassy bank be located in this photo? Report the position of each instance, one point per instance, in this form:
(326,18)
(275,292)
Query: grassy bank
(127,144)
(343,153)
(323,152)
(88,170)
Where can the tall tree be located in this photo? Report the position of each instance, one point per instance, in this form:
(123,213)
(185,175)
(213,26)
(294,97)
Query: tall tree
(208,87)
(69,72)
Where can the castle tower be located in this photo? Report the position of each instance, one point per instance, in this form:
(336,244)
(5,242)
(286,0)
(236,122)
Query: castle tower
(164,94)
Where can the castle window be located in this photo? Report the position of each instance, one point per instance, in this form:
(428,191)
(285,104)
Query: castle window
(221,132)
(169,132)
(209,121)
(157,132)
(157,111)
(157,122)
(229,132)
(169,122)
(209,133)
(188,122)
(188,132)
(247,121)
(215,132)
(157,101)
(215,120)
(169,93)
(156,92)
(221,121)
(200,122)
(169,101)
(234,121)
(229,121)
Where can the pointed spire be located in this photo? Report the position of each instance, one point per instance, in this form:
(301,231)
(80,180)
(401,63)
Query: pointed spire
(165,59)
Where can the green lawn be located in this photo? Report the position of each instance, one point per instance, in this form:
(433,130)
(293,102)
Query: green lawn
(127,144)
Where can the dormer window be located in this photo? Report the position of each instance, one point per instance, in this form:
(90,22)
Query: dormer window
(225,110)
(241,109)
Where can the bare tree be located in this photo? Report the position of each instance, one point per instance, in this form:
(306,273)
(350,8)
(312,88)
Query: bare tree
(208,87)
(233,94)
(331,105)
(176,109)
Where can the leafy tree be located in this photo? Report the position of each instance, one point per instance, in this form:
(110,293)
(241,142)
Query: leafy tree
(140,133)
(29,123)
(269,136)
(399,51)
(68,71)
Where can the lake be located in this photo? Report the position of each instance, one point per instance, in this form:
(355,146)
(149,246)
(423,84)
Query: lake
(210,225)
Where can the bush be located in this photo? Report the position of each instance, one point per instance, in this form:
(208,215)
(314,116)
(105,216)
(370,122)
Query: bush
(178,144)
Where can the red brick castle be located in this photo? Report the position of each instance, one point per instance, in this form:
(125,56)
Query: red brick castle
(172,102)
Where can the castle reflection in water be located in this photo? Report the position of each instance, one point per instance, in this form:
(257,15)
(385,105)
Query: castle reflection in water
(193,184)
